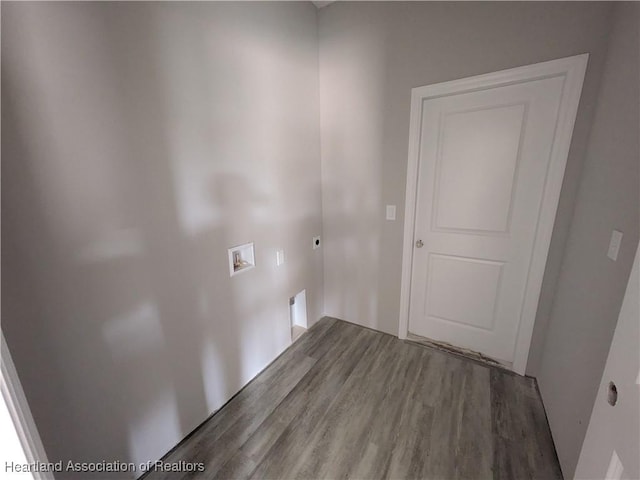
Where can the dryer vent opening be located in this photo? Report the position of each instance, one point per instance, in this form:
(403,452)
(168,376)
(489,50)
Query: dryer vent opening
(298,314)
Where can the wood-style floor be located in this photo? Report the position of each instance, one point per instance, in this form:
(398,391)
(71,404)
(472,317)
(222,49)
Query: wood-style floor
(348,402)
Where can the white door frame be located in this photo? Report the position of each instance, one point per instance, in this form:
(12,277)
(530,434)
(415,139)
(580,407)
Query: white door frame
(572,69)
(16,402)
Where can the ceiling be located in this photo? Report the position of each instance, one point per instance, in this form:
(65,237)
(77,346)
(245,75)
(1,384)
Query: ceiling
(320,4)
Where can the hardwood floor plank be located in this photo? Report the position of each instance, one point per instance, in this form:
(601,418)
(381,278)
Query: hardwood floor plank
(284,373)
(474,442)
(386,432)
(265,437)
(340,438)
(363,468)
(543,455)
(307,404)
(217,441)
(412,441)
(523,447)
(238,467)
(439,462)
(315,336)
(349,402)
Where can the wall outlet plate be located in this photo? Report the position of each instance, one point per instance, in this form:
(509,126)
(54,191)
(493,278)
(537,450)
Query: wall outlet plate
(316,242)
(614,245)
(391,212)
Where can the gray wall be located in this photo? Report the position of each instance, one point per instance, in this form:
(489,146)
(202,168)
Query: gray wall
(139,142)
(591,287)
(371,55)
(617,429)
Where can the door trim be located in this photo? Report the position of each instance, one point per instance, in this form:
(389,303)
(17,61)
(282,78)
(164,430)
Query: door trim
(16,402)
(573,70)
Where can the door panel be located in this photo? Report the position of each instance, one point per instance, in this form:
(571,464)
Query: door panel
(463,290)
(475,168)
(483,161)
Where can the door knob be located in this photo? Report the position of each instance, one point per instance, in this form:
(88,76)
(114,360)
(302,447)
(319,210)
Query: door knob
(419,244)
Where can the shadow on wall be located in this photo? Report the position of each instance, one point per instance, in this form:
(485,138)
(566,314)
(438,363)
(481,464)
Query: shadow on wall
(353,184)
(125,181)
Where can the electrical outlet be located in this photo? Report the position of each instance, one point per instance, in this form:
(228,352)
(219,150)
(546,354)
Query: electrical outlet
(614,245)
(391,212)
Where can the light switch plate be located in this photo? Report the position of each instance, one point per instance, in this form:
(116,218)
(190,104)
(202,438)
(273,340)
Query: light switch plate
(614,245)
(316,242)
(391,212)
(279,257)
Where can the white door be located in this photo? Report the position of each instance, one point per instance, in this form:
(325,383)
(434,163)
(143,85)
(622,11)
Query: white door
(611,449)
(484,158)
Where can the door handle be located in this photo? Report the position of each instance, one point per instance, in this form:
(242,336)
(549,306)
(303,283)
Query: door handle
(419,244)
